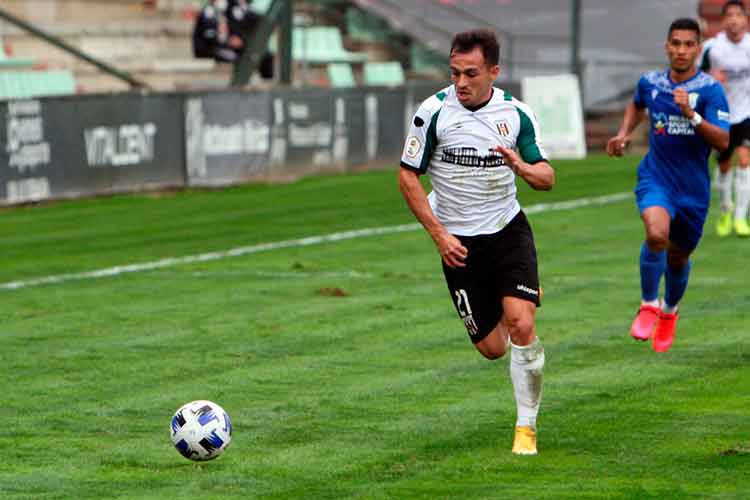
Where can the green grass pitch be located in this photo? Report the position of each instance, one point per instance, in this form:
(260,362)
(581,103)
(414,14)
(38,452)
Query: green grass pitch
(343,366)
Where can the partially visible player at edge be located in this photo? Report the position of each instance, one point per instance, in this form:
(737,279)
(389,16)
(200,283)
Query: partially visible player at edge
(689,115)
(473,140)
(727,58)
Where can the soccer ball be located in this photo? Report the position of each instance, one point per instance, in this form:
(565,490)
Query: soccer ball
(201,430)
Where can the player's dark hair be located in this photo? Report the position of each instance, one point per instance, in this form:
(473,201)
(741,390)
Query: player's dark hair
(465,42)
(685,24)
(733,3)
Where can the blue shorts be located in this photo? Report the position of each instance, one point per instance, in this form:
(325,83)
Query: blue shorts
(686,226)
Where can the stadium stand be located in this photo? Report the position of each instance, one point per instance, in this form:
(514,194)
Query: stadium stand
(150,43)
(150,40)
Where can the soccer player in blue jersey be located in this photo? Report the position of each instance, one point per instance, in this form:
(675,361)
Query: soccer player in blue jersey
(689,115)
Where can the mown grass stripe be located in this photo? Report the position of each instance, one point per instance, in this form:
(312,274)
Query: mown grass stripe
(295,243)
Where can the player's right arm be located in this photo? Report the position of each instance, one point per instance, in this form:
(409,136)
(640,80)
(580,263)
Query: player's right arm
(633,116)
(415,160)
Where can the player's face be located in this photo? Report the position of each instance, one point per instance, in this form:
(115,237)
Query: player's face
(683,48)
(472,77)
(735,22)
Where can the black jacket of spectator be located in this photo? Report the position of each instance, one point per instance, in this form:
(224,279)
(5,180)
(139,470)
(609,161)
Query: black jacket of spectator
(243,22)
(209,40)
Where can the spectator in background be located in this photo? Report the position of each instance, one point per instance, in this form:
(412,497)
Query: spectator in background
(243,22)
(212,37)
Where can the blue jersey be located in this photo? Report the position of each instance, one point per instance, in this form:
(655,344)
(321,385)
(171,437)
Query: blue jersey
(677,159)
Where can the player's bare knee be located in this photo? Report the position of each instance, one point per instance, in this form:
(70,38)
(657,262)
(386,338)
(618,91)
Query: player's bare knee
(494,345)
(657,240)
(520,328)
(490,352)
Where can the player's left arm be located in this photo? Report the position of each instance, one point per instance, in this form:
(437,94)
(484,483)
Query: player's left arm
(713,128)
(539,175)
(529,159)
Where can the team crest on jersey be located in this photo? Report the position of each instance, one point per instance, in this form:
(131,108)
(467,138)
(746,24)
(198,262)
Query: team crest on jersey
(693,99)
(413,147)
(654,93)
(503,128)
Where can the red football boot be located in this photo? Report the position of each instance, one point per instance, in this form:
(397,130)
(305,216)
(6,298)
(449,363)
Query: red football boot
(664,331)
(644,322)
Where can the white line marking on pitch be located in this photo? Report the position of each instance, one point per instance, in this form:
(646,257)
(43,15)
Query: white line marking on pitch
(300,242)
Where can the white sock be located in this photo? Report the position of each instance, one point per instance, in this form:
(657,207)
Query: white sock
(526,364)
(654,303)
(741,192)
(724,184)
(669,309)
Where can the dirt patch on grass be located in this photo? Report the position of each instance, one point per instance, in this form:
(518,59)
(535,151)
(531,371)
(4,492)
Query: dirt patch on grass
(332,292)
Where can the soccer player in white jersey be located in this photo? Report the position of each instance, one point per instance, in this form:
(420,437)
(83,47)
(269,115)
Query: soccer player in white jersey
(474,140)
(727,58)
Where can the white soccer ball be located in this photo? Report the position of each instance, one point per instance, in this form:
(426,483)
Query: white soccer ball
(201,430)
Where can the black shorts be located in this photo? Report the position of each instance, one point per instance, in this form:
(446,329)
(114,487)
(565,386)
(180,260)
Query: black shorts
(498,265)
(739,135)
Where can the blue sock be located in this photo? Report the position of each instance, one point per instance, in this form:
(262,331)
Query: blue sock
(675,283)
(652,267)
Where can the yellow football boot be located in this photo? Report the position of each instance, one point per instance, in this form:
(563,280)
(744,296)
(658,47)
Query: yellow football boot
(525,441)
(724,224)
(741,228)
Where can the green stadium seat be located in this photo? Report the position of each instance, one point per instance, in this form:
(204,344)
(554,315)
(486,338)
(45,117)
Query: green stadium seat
(341,75)
(319,44)
(388,73)
(24,84)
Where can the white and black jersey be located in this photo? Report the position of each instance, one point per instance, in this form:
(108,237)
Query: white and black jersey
(474,192)
(733,59)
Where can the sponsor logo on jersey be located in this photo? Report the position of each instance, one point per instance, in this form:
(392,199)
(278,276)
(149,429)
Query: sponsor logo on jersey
(413,147)
(660,126)
(722,115)
(665,125)
(470,157)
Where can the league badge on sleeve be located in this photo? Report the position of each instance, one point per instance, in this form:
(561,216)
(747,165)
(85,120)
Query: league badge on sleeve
(413,147)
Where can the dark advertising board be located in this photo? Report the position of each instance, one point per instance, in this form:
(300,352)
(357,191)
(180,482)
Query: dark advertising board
(388,108)
(25,152)
(319,130)
(302,134)
(66,147)
(227,138)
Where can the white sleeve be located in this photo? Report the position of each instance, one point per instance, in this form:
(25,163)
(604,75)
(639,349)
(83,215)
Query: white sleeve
(421,139)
